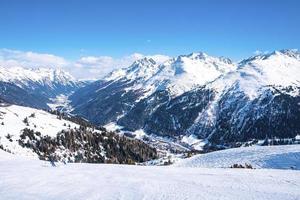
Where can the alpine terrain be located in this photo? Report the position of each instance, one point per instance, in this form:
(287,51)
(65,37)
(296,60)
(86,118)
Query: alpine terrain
(197,97)
(58,137)
(36,88)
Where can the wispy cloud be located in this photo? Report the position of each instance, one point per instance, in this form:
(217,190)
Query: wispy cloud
(15,58)
(98,66)
(86,67)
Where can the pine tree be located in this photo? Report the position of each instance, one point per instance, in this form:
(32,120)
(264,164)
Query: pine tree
(26,121)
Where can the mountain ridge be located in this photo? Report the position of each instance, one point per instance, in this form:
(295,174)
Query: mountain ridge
(226,103)
(43,84)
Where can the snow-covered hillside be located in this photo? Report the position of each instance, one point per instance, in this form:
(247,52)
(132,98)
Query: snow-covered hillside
(12,123)
(274,157)
(25,179)
(39,134)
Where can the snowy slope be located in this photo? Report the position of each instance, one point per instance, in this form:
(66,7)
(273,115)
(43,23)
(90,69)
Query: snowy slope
(39,134)
(275,157)
(13,116)
(25,179)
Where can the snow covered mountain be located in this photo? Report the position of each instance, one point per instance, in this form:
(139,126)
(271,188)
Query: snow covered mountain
(44,76)
(260,99)
(176,75)
(25,86)
(210,98)
(279,69)
(39,134)
(120,91)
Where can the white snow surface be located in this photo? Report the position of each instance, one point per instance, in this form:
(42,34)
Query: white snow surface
(274,157)
(194,142)
(61,102)
(25,179)
(113,127)
(43,122)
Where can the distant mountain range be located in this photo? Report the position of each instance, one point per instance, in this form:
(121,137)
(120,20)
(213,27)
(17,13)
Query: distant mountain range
(209,98)
(212,98)
(35,87)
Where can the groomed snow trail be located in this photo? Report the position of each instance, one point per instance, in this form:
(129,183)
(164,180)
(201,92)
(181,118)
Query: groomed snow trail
(23,178)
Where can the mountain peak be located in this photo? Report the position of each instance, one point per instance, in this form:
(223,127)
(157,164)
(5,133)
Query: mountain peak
(140,69)
(197,55)
(193,56)
(178,74)
(225,60)
(201,56)
(292,53)
(144,61)
(41,75)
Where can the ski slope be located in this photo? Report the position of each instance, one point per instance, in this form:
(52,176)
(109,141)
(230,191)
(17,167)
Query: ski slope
(274,157)
(27,179)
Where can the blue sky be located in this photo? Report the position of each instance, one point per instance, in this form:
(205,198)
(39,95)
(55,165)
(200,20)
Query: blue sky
(72,29)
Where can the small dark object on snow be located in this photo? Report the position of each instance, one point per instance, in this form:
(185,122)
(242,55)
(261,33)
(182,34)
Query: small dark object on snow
(51,160)
(247,166)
